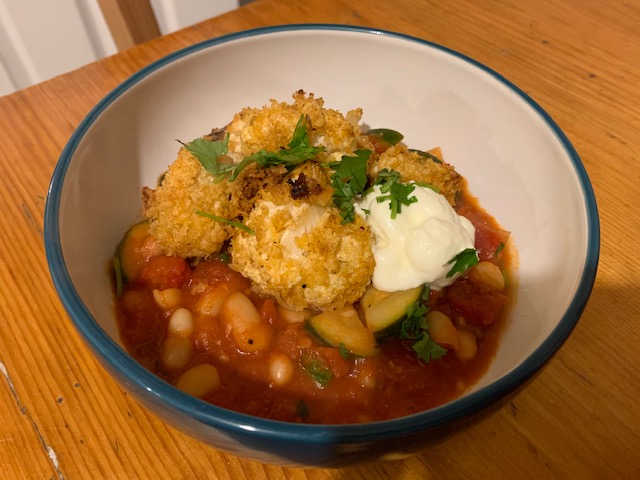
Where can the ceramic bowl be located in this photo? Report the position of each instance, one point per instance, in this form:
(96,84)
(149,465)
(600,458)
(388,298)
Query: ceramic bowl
(518,163)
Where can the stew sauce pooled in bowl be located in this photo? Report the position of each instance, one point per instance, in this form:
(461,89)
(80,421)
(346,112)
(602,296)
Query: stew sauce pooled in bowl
(298,266)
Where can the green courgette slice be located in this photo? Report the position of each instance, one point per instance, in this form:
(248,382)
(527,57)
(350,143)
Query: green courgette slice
(343,328)
(128,253)
(384,311)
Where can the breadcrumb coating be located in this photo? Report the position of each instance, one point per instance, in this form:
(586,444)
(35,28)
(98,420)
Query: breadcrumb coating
(414,167)
(271,127)
(302,255)
(171,208)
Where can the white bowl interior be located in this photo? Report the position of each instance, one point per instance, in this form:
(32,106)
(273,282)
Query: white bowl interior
(514,162)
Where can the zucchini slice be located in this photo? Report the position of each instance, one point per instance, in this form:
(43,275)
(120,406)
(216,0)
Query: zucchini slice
(131,254)
(343,327)
(386,135)
(385,311)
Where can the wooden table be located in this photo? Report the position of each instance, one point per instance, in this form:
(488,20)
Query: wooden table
(63,417)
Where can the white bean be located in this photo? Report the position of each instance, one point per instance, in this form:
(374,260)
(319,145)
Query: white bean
(177,352)
(199,381)
(442,330)
(247,329)
(488,275)
(181,323)
(168,298)
(211,302)
(468,346)
(280,369)
(293,316)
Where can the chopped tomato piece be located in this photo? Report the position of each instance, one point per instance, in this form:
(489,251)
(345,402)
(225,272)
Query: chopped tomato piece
(488,238)
(269,311)
(164,272)
(478,307)
(214,272)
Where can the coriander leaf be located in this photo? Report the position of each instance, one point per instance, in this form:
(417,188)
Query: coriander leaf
(499,249)
(415,327)
(386,178)
(302,410)
(208,152)
(300,136)
(397,193)
(298,151)
(428,350)
(388,136)
(349,180)
(226,221)
(352,171)
(318,370)
(463,261)
(414,324)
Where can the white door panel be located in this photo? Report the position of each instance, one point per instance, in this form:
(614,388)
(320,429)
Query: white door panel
(40,39)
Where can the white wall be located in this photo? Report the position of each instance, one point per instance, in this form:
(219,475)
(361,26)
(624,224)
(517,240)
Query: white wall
(40,39)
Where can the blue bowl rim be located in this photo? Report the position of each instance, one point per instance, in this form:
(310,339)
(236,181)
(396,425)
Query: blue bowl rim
(231,421)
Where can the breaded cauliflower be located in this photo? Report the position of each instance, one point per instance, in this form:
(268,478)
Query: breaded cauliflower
(414,167)
(301,253)
(271,127)
(171,208)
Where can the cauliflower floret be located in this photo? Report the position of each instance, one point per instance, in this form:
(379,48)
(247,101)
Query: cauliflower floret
(414,167)
(271,127)
(171,208)
(302,254)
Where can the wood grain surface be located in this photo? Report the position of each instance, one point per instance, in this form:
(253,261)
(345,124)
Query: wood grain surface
(63,417)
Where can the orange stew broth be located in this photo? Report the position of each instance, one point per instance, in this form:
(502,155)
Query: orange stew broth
(391,384)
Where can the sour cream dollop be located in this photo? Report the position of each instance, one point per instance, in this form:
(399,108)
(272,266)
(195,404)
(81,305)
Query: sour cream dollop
(414,248)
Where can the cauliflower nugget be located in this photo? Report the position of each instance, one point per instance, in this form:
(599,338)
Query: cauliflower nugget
(415,167)
(271,127)
(171,208)
(301,253)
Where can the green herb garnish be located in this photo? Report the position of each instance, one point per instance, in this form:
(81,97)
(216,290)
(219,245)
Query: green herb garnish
(302,410)
(208,152)
(318,370)
(499,249)
(226,221)
(415,327)
(396,193)
(463,261)
(428,350)
(349,180)
(298,150)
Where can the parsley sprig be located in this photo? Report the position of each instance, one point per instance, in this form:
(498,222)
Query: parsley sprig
(349,180)
(318,370)
(298,150)
(208,153)
(415,327)
(463,261)
(226,221)
(398,194)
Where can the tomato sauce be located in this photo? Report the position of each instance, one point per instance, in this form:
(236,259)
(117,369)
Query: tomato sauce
(325,385)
